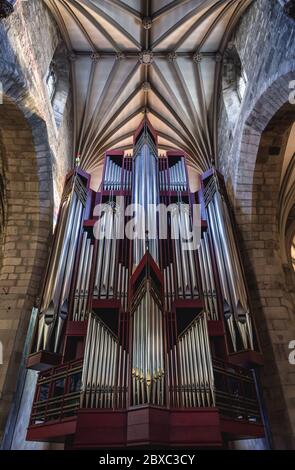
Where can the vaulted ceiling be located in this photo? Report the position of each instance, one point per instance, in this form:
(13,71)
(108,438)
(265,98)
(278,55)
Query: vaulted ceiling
(160,57)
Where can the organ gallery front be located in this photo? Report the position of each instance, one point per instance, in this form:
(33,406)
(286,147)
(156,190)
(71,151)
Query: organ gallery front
(144,333)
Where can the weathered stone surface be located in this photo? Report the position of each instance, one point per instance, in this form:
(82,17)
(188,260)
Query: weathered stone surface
(250,156)
(35,155)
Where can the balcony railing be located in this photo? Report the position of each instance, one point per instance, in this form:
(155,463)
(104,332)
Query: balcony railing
(58,395)
(235,392)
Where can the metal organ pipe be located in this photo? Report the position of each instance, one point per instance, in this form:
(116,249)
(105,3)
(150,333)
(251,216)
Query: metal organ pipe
(148,352)
(148,359)
(207,278)
(54,305)
(146,194)
(184,263)
(196,370)
(99,380)
(222,274)
(230,271)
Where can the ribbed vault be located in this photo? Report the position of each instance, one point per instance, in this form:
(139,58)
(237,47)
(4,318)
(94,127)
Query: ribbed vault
(159,57)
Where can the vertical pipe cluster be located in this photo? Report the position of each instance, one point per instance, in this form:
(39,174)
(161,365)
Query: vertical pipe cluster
(83,278)
(145,195)
(173,178)
(116,178)
(185,259)
(104,368)
(191,375)
(54,304)
(111,275)
(235,300)
(148,372)
(207,277)
(169,288)
(122,378)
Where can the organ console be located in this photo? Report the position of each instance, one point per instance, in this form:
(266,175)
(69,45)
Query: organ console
(145,337)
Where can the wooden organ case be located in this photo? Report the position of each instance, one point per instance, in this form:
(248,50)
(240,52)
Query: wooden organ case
(140,342)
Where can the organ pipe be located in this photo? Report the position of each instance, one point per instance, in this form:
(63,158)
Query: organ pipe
(55,300)
(147,302)
(236,305)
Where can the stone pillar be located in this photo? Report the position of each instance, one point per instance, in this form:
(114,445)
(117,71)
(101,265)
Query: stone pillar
(6,8)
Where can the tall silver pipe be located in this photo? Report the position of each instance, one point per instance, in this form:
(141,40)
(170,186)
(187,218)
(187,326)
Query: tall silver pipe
(183,173)
(57,285)
(228,313)
(47,297)
(100,366)
(107,173)
(83,280)
(101,242)
(175,228)
(95,368)
(211,275)
(79,276)
(86,359)
(207,280)
(89,268)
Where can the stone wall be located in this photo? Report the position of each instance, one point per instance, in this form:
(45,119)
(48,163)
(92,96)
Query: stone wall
(28,41)
(35,155)
(250,157)
(264,40)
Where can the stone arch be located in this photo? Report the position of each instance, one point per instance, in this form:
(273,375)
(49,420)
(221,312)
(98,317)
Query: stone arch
(275,94)
(256,185)
(27,176)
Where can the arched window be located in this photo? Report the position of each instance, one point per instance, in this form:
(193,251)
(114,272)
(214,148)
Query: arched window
(51,81)
(57,82)
(234,83)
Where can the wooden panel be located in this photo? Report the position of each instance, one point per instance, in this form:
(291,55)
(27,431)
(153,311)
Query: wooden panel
(195,427)
(76,328)
(246,358)
(52,432)
(148,425)
(100,428)
(240,429)
(43,360)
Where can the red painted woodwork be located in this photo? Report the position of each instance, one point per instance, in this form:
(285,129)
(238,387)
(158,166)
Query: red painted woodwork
(76,328)
(215,328)
(54,431)
(100,428)
(246,358)
(242,429)
(147,426)
(43,360)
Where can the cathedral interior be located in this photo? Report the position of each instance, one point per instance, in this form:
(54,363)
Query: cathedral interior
(109,340)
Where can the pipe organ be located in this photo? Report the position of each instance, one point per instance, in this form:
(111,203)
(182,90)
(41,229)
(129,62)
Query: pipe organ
(138,323)
(234,296)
